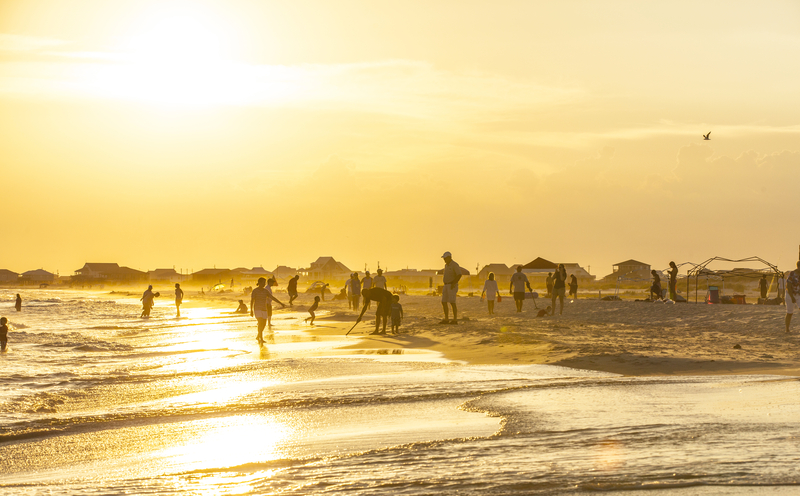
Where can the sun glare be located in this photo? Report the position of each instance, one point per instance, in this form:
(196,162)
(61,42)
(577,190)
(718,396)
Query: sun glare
(184,57)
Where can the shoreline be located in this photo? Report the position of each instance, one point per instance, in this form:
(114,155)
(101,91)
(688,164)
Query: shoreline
(621,337)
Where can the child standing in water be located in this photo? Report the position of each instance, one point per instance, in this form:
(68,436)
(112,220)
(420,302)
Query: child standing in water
(3,333)
(397,314)
(311,310)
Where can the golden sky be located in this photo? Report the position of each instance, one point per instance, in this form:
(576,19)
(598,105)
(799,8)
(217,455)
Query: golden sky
(246,133)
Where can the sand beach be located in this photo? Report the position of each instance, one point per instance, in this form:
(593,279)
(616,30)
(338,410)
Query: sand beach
(611,395)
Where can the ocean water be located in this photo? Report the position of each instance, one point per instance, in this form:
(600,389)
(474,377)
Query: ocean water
(94,400)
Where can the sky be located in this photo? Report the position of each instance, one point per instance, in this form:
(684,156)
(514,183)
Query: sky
(255,133)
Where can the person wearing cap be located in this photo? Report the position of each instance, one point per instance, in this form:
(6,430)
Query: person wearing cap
(452,273)
(379,281)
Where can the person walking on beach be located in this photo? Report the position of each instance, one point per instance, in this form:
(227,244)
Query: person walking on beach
(490,291)
(18,303)
(763,285)
(452,274)
(261,306)
(379,281)
(517,287)
(384,300)
(148,300)
(793,290)
(673,281)
(292,289)
(573,286)
(559,288)
(354,291)
(397,314)
(781,289)
(549,283)
(655,289)
(3,333)
(178,298)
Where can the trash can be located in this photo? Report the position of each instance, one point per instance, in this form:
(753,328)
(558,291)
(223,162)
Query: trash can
(713,294)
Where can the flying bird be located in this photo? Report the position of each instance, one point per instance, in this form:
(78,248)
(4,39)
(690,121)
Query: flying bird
(706,136)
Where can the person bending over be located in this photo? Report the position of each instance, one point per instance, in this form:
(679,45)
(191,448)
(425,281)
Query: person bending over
(384,300)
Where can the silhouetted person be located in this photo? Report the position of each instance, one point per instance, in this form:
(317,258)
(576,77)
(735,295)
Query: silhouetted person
(397,314)
(573,286)
(545,312)
(322,290)
(178,298)
(353,291)
(148,300)
(763,285)
(18,303)
(673,281)
(793,291)
(384,300)
(655,289)
(261,306)
(292,289)
(549,283)
(367,283)
(3,333)
(379,281)
(452,274)
(242,308)
(312,309)
(559,288)
(490,291)
(517,287)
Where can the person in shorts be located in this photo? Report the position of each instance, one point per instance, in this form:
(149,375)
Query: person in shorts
(384,300)
(793,293)
(261,306)
(452,273)
(397,314)
(292,289)
(490,291)
(517,287)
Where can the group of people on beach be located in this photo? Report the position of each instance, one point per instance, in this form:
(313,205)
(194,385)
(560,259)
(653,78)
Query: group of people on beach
(556,289)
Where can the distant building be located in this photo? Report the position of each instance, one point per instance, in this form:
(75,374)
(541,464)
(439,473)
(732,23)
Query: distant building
(629,269)
(7,276)
(107,272)
(258,271)
(326,268)
(284,273)
(212,276)
(97,271)
(411,277)
(38,276)
(540,267)
(501,271)
(164,275)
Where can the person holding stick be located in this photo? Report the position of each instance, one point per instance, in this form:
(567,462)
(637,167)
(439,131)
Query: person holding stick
(384,301)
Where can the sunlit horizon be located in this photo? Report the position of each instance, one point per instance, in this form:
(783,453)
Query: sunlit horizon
(200,134)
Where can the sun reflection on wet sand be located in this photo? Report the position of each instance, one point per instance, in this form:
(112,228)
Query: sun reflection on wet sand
(230,442)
